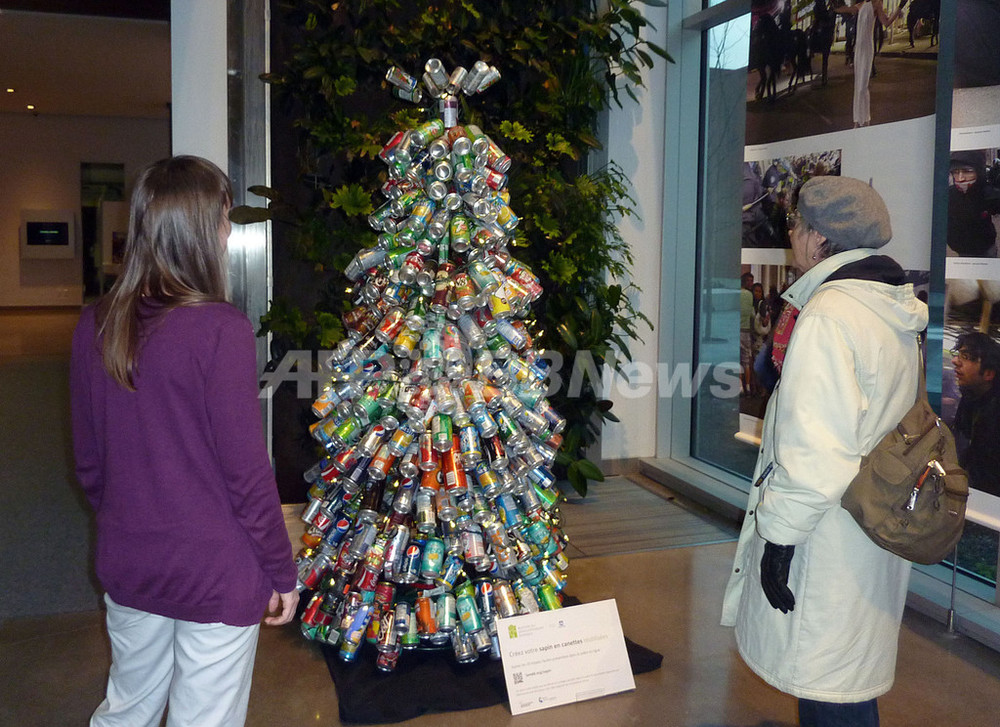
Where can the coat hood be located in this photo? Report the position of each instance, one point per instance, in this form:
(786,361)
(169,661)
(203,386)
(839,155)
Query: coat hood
(867,279)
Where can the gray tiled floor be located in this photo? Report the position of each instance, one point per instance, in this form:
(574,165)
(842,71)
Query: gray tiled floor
(629,545)
(52,670)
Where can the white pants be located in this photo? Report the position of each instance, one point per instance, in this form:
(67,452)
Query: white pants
(203,670)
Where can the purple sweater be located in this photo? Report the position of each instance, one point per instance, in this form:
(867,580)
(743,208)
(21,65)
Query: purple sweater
(189,524)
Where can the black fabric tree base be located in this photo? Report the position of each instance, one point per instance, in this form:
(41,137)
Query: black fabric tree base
(431,681)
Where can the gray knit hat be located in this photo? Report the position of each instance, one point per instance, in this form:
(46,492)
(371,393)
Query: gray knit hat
(846,211)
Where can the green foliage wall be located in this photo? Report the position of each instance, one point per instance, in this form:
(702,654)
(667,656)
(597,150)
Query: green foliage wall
(562,63)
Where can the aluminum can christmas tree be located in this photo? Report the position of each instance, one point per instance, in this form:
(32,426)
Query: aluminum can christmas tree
(434,510)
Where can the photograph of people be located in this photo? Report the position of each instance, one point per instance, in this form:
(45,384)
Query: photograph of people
(770,187)
(973,203)
(767,283)
(866,12)
(975,360)
(815,603)
(970,392)
(825,66)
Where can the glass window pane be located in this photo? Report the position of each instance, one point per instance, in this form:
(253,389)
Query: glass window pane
(715,411)
(977,553)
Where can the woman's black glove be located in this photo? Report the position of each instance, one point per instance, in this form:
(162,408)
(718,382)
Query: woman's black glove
(774,576)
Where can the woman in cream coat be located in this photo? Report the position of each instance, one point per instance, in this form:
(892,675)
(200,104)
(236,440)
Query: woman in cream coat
(815,603)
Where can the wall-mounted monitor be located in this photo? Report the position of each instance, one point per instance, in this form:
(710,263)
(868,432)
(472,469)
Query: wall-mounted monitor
(48,234)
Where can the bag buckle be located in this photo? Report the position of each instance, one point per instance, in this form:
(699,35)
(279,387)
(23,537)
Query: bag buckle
(933,468)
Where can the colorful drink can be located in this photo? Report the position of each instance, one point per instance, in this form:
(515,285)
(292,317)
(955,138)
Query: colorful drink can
(446,612)
(347,432)
(468,613)
(526,597)
(352,635)
(400,79)
(499,305)
(400,440)
(450,572)
(387,660)
(453,474)
(414,96)
(391,324)
(473,546)
(430,130)
(424,519)
(426,623)
(409,463)
(433,559)
(464,290)
(496,159)
(549,597)
(388,637)
(409,570)
(403,613)
(406,342)
(429,465)
(484,598)
(505,599)
(336,532)
(460,239)
(441,432)
(411,639)
(472,452)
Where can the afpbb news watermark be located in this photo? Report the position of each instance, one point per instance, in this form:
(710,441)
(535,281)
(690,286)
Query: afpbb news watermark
(309,372)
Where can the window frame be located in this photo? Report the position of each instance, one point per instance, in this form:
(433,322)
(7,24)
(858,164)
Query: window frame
(939,591)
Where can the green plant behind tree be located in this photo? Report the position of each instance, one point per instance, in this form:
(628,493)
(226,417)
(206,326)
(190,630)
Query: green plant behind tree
(562,63)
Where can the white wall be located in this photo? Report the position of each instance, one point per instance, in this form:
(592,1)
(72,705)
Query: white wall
(635,143)
(40,159)
(199,80)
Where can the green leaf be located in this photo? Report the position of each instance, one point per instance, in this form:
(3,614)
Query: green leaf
(331,330)
(352,199)
(589,470)
(596,325)
(561,268)
(516,130)
(558,144)
(471,9)
(368,54)
(563,458)
(345,86)
(246,215)
(577,478)
(567,335)
(267,192)
(614,296)
(662,53)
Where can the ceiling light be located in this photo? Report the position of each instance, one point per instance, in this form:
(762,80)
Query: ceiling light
(31,107)
(10,90)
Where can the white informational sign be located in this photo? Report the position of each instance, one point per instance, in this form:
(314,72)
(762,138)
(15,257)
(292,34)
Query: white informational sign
(564,656)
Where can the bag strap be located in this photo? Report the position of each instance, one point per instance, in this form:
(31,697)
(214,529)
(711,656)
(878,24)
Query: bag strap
(922,384)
